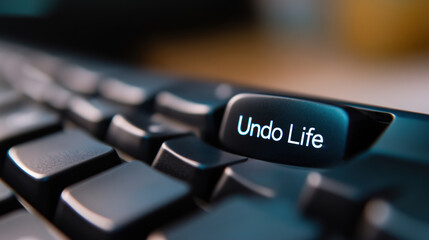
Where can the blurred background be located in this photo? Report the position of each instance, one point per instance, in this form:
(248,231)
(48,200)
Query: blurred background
(369,51)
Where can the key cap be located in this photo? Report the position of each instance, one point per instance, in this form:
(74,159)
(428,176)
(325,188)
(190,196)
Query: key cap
(9,98)
(141,135)
(194,161)
(294,131)
(199,105)
(22,225)
(260,178)
(57,97)
(8,200)
(94,115)
(80,79)
(24,123)
(32,82)
(40,169)
(383,220)
(241,218)
(125,202)
(133,88)
(351,186)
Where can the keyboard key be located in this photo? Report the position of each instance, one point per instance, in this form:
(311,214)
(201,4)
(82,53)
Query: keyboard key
(351,186)
(40,169)
(133,88)
(9,98)
(383,220)
(22,225)
(199,105)
(94,115)
(240,218)
(32,82)
(125,202)
(79,79)
(294,131)
(141,135)
(57,97)
(8,200)
(194,161)
(260,178)
(24,123)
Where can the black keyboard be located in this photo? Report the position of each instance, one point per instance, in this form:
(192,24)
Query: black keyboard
(98,150)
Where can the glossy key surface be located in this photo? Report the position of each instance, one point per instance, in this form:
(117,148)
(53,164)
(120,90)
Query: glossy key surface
(199,105)
(24,123)
(194,161)
(22,225)
(137,200)
(261,178)
(141,135)
(40,169)
(133,88)
(240,218)
(93,114)
(349,188)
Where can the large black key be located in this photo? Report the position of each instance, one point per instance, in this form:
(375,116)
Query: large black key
(295,131)
(133,88)
(8,200)
(241,218)
(24,123)
(199,105)
(125,202)
(22,225)
(194,161)
(40,169)
(261,178)
(347,189)
(140,135)
(94,115)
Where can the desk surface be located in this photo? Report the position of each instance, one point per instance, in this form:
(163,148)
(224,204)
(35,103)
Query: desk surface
(255,58)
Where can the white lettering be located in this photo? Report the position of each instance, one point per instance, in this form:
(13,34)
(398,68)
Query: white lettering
(280,134)
(290,136)
(268,132)
(240,119)
(255,125)
(317,139)
(267,136)
(309,134)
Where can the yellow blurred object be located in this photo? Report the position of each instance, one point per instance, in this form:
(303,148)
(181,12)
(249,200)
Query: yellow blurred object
(384,28)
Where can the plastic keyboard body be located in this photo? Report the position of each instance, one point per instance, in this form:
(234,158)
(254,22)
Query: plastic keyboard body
(95,150)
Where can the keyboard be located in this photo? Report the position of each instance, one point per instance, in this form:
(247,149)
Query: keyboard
(93,149)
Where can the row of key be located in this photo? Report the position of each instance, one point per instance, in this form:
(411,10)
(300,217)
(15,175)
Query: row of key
(70,126)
